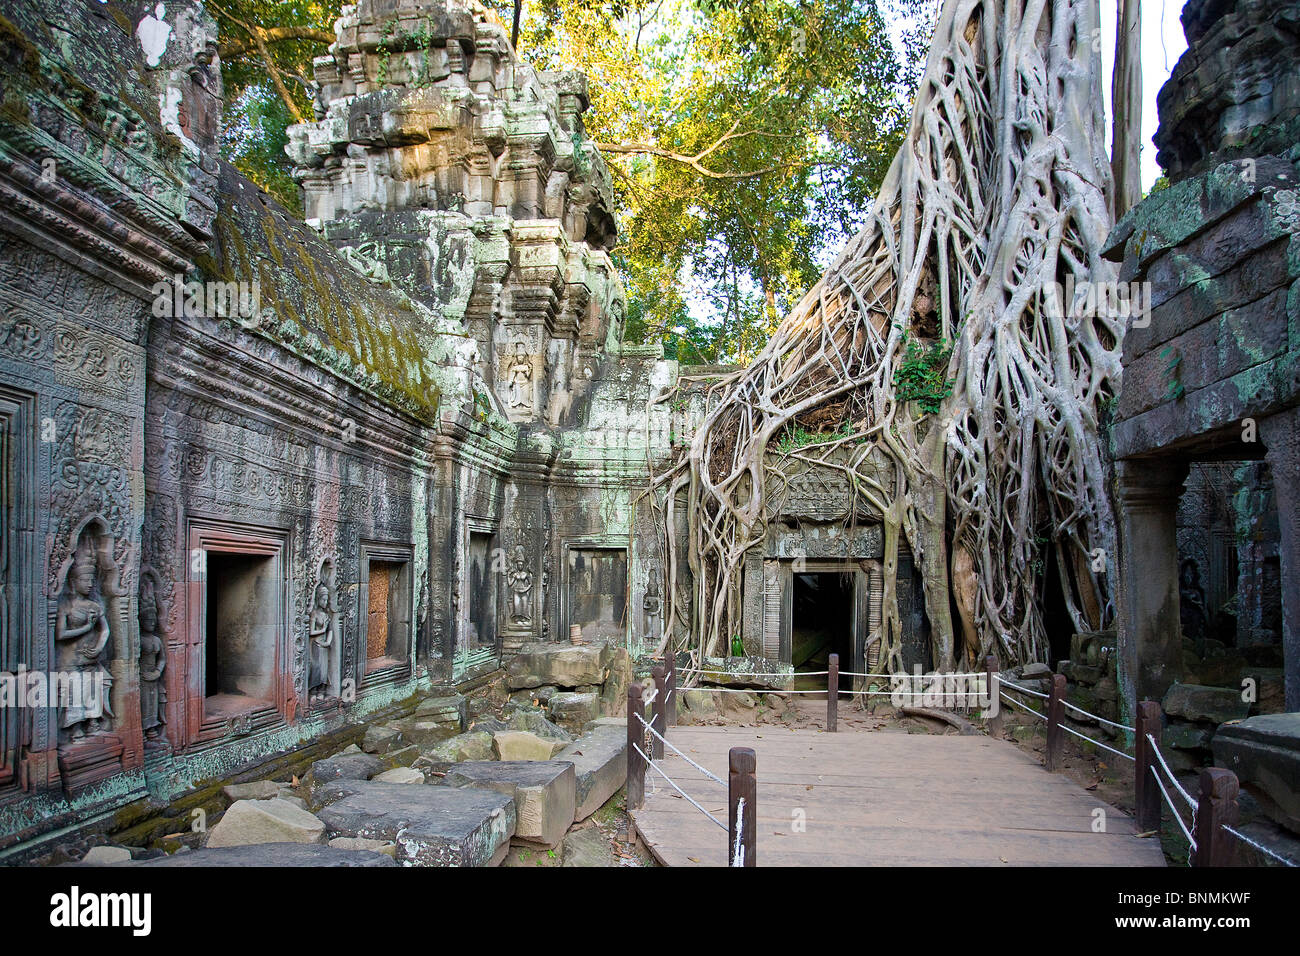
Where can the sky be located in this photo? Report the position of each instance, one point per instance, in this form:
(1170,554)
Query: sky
(1162,44)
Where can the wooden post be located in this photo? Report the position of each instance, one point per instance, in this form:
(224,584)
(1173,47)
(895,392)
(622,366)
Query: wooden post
(660,719)
(833,693)
(741,785)
(672,687)
(1146,796)
(994,723)
(635,738)
(1217,808)
(1055,716)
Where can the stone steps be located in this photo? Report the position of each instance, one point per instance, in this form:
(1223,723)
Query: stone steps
(543,791)
(431,825)
(599,759)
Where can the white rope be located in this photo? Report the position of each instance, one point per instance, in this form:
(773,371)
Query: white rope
(1285,861)
(738,851)
(1109,723)
(1024,690)
(686,796)
(1174,810)
(650,698)
(1118,753)
(667,743)
(775,675)
(1172,779)
(1016,703)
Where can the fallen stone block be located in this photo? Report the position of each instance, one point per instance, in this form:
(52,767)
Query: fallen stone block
(475,745)
(1211,704)
(521,745)
(701,703)
(452,709)
(424,732)
(559,665)
(270,854)
(544,793)
(745,672)
(535,696)
(399,775)
(1264,753)
(572,712)
(432,826)
(265,821)
(380,739)
(257,790)
(588,847)
(106,856)
(535,722)
(343,766)
(599,759)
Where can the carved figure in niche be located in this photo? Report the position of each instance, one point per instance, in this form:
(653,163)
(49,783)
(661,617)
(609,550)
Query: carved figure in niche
(81,631)
(652,605)
(1191,603)
(521,588)
(153,661)
(520,377)
(321,632)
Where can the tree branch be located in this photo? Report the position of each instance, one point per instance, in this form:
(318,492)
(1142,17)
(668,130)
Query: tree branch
(274,35)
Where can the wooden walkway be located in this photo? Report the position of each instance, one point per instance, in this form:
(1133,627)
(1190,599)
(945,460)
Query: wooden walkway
(883,799)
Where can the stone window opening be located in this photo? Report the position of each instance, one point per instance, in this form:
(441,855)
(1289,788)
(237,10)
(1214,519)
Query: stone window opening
(388,613)
(238,670)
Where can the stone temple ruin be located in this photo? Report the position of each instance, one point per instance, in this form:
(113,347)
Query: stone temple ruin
(276,487)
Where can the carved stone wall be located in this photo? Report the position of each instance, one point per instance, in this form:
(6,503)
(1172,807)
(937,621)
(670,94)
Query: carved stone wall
(1215,373)
(434,358)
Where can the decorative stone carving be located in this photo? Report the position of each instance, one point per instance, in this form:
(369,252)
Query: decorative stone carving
(321,633)
(652,606)
(519,380)
(521,588)
(153,659)
(82,632)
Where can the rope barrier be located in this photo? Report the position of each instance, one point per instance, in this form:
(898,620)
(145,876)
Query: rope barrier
(1178,818)
(1016,703)
(1170,774)
(1110,723)
(738,851)
(1023,690)
(685,796)
(667,743)
(1260,847)
(1118,753)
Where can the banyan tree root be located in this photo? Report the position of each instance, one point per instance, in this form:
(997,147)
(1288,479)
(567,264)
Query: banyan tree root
(995,204)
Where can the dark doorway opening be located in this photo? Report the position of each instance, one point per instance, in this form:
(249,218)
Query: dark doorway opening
(822,625)
(240,635)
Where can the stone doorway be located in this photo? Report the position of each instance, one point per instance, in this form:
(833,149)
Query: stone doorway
(240,634)
(823,623)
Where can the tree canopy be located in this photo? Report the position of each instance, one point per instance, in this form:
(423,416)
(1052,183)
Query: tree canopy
(746,138)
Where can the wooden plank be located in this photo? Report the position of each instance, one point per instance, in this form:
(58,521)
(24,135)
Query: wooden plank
(853,798)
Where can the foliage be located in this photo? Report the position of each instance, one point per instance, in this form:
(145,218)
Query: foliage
(794,436)
(922,375)
(745,140)
(258,110)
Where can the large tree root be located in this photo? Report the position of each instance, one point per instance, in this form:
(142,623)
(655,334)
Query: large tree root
(998,196)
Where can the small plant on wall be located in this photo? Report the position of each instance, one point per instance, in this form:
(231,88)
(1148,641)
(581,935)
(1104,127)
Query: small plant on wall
(922,376)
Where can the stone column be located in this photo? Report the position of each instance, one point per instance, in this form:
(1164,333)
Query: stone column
(1281,434)
(1150,633)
